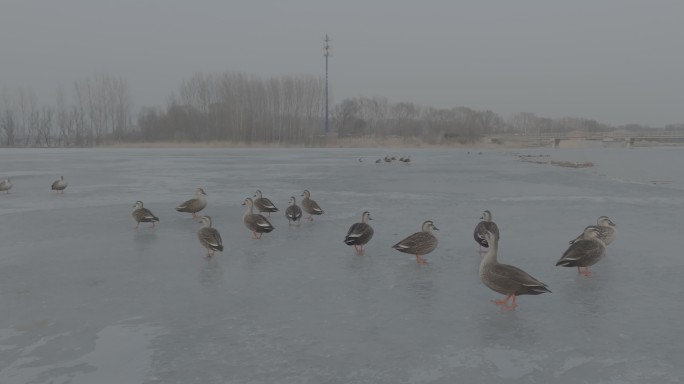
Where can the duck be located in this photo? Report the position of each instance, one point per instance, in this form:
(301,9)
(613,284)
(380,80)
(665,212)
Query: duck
(59,185)
(310,206)
(606,229)
(5,185)
(420,243)
(359,234)
(378,161)
(194,205)
(255,222)
(293,212)
(209,237)
(584,252)
(506,279)
(263,204)
(482,227)
(143,215)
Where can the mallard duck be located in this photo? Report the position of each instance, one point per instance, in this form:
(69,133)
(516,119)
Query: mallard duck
(263,204)
(506,279)
(310,206)
(143,215)
(209,237)
(293,212)
(255,222)
(360,233)
(584,252)
(606,229)
(59,185)
(419,243)
(482,227)
(194,205)
(5,185)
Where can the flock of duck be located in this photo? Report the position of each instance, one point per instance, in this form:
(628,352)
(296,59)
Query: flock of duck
(258,224)
(584,251)
(389,159)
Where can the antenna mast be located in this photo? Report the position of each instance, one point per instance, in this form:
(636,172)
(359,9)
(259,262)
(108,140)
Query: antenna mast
(326,54)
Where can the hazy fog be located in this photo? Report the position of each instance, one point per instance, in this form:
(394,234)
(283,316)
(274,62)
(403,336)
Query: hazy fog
(614,61)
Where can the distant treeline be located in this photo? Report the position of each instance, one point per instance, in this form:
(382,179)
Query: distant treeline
(238,107)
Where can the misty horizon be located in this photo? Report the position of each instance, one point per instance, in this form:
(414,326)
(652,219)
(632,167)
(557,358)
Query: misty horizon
(613,62)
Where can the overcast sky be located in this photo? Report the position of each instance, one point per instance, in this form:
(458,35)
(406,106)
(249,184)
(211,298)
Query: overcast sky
(616,61)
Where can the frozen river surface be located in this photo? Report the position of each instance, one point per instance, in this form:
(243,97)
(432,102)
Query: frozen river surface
(86,298)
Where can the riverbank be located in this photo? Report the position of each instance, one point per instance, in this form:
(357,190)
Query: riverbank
(329,142)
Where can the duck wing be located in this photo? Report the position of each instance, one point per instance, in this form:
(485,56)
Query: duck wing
(211,238)
(582,253)
(418,243)
(358,233)
(514,280)
(265,205)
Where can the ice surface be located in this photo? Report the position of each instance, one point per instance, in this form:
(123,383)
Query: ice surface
(86,298)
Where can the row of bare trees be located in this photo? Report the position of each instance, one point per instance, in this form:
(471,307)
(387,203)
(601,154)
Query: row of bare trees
(376,117)
(235,106)
(23,122)
(98,110)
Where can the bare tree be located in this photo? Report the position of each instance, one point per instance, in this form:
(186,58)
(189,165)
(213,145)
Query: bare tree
(490,122)
(65,119)
(82,131)
(404,117)
(27,114)
(45,123)
(347,118)
(120,103)
(8,119)
(102,110)
(524,122)
(375,112)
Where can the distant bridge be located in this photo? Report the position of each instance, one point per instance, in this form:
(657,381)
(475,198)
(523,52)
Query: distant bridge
(627,138)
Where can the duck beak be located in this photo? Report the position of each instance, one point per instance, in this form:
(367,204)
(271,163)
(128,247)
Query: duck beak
(435,228)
